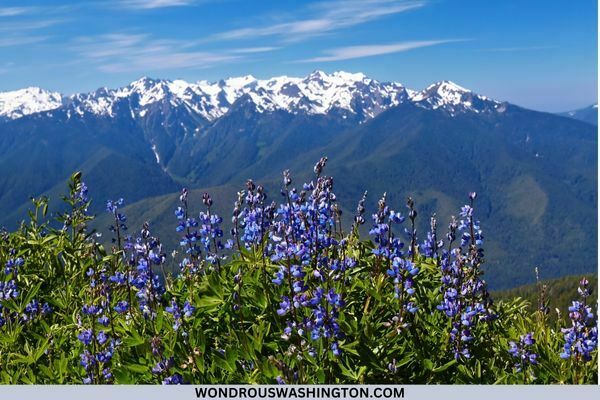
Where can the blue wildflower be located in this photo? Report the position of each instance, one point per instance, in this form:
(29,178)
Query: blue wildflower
(581,339)
(523,352)
(86,337)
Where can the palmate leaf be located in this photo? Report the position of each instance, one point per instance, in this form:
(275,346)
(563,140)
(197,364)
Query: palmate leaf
(221,362)
(30,295)
(22,359)
(350,347)
(47,371)
(123,377)
(12,336)
(355,375)
(61,367)
(133,339)
(209,303)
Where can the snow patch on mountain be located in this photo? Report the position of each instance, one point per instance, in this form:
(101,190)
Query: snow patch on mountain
(348,94)
(18,103)
(453,98)
(156,154)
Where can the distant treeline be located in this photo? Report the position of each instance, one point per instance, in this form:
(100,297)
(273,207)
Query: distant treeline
(558,293)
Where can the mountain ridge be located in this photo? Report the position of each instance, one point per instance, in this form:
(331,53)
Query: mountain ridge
(317,93)
(437,148)
(587,114)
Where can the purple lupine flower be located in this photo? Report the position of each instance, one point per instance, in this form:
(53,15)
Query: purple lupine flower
(86,337)
(389,252)
(12,266)
(121,307)
(190,237)
(101,337)
(523,352)
(303,230)
(175,379)
(465,301)
(107,374)
(175,311)
(46,309)
(146,252)
(8,290)
(90,309)
(81,194)
(188,309)
(252,221)
(119,219)
(581,339)
(284,306)
(211,233)
(431,245)
(33,307)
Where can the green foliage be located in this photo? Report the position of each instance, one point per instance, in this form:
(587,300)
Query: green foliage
(222,344)
(539,207)
(557,293)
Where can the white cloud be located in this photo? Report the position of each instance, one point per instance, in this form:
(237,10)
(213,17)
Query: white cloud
(152,4)
(168,60)
(118,52)
(350,52)
(20,40)
(21,26)
(250,50)
(109,45)
(323,18)
(13,11)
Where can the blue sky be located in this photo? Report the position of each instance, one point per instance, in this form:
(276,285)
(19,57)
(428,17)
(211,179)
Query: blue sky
(541,54)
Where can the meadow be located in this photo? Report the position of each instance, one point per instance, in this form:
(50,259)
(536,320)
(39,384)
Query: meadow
(287,295)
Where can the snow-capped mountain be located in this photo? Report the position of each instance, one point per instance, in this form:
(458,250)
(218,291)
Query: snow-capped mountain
(347,94)
(146,140)
(18,103)
(454,99)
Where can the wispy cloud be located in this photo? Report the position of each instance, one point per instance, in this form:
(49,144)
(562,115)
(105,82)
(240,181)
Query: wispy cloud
(152,4)
(6,67)
(168,61)
(323,18)
(21,26)
(251,50)
(109,45)
(350,52)
(14,11)
(523,48)
(20,40)
(120,52)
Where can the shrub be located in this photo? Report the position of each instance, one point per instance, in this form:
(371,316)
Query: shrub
(287,296)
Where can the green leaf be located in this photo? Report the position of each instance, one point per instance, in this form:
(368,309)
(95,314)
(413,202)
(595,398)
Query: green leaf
(428,364)
(445,366)
(320,375)
(209,302)
(137,368)
(123,377)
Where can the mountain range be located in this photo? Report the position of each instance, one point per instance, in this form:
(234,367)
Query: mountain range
(587,114)
(535,172)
